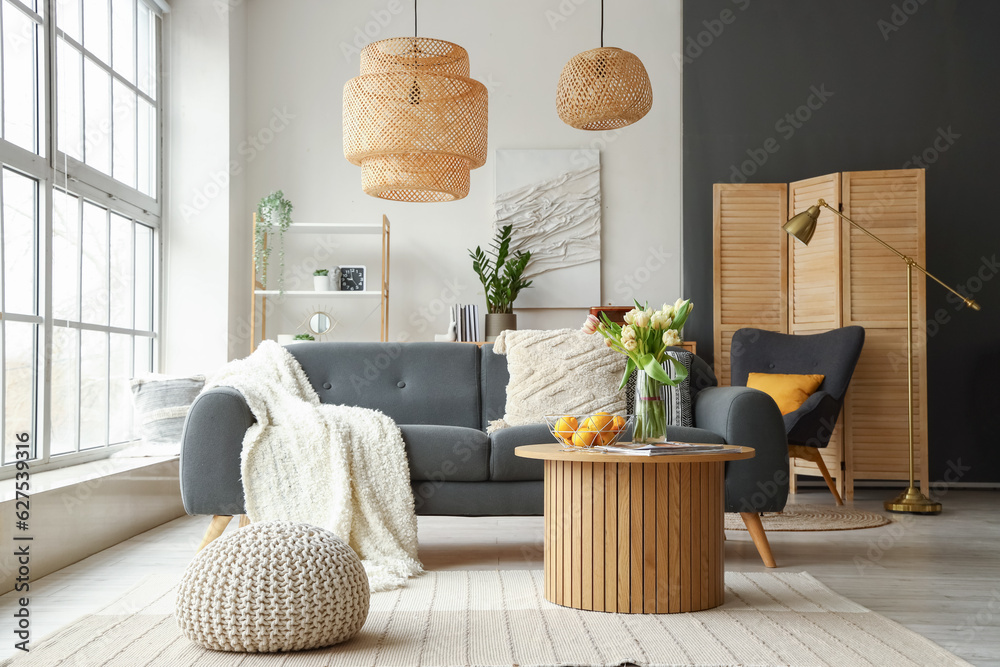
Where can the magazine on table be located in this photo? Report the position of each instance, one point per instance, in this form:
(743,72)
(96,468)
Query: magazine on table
(659,448)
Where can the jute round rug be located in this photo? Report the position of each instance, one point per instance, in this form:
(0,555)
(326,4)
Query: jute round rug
(813,517)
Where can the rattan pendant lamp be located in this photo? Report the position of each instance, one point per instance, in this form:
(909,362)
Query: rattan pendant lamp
(603,89)
(414,121)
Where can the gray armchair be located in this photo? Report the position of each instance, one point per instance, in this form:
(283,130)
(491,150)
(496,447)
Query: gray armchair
(834,354)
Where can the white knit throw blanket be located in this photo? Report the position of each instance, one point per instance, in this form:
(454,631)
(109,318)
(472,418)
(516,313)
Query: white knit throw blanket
(337,467)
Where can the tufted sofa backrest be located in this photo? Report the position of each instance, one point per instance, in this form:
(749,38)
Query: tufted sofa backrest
(413,383)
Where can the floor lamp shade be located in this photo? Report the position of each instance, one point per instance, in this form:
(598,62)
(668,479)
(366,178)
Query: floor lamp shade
(414,121)
(603,89)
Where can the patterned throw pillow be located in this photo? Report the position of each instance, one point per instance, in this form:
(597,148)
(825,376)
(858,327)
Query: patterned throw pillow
(161,405)
(678,399)
(561,371)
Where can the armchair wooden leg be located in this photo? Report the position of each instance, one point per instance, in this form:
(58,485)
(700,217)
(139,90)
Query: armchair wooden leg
(812,454)
(756,530)
(244,521)
(215,529)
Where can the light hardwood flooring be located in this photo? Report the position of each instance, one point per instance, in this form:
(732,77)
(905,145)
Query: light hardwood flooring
(939,576)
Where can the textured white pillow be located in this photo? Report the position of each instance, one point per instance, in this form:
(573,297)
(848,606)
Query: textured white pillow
(560,371)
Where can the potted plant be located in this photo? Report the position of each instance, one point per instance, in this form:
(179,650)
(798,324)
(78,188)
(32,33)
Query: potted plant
(500,272)
(274,212)
(303,337)
(321,280)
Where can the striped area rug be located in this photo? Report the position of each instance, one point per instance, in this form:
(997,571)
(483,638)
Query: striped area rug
(500,618)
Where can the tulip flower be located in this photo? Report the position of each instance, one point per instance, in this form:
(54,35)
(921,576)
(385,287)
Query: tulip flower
(590,326)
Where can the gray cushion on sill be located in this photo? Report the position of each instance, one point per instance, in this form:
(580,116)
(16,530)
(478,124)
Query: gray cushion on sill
(161,405)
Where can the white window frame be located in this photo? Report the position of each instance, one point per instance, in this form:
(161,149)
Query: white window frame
(55,170)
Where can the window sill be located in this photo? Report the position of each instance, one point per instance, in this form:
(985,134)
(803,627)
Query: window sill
(50,480)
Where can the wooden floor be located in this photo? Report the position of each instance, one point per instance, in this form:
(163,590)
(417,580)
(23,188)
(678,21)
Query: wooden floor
(939,576)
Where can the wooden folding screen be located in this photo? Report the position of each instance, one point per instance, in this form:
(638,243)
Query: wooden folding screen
(766,280)
(751,276)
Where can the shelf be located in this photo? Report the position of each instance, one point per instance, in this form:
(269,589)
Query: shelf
(332,228)
(356,294)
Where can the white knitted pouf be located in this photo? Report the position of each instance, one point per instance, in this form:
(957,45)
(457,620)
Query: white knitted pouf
(273,586)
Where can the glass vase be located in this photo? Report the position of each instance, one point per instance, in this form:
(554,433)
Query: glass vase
(650,409)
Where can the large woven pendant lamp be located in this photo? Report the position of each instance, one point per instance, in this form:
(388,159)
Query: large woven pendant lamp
(414,121)
(603,89)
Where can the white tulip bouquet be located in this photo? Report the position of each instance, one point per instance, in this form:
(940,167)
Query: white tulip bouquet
(644,339)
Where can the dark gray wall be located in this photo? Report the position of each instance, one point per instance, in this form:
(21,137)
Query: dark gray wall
(896,80)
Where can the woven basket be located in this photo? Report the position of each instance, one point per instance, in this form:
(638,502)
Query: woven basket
(414,121)
(603,89)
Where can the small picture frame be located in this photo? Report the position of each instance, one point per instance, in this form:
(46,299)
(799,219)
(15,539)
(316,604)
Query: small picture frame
(353,278)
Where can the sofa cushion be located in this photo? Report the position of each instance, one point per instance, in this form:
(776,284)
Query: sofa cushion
(446,453)
(414,383)
(505,466)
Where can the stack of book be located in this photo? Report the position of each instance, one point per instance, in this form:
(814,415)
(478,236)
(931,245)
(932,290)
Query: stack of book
(660,448)
(467,318)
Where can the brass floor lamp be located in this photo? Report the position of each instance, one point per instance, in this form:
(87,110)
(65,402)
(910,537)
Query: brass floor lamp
(802,227)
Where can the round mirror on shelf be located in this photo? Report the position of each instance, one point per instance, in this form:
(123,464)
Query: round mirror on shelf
(320,323)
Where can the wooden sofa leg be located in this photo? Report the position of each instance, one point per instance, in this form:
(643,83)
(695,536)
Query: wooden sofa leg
(756,530)
(215,529)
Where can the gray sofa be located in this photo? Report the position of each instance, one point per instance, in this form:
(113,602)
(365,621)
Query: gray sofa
(443,396)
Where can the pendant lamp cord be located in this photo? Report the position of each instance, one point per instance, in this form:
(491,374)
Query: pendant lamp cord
(602,23)
(414,18)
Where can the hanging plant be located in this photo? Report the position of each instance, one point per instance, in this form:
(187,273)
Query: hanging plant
(273,212)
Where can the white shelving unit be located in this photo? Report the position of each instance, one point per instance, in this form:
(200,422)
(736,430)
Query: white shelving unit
(258,289)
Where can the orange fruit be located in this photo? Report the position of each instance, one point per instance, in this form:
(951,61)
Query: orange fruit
(598,422)
(565,427)
(586,438)
(618,423)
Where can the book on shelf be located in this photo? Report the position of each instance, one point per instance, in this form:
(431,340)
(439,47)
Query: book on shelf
(659,448)
(466,319)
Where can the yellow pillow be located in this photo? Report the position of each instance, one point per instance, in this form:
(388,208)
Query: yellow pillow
(788,391)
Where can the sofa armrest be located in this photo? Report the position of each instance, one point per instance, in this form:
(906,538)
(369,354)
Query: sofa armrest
(813,423)
(210,452)
(749,418)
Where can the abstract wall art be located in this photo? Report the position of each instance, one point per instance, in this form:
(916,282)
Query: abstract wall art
(552,198)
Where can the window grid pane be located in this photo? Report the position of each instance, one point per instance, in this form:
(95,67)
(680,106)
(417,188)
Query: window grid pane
(23,63)
(20,243)
(103,271)
(93,389)
(64,422)
(20,354)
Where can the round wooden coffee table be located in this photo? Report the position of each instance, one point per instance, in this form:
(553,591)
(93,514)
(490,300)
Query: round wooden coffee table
(634,534)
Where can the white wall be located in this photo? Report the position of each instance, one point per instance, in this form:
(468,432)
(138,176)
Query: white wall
(517,48)
(298,57)
(197,273)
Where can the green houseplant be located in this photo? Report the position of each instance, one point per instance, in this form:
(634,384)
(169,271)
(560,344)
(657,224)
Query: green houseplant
(501,273)
(274,213)
(321,280)
(304,337)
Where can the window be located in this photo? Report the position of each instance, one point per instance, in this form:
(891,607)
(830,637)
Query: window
(79,222)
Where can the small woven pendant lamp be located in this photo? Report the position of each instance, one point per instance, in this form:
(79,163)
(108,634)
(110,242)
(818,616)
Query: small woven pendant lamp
(603,89)
(414,121)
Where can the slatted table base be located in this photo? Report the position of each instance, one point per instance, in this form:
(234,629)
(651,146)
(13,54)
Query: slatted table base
(634,537)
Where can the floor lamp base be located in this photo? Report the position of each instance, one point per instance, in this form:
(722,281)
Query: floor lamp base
(912,501)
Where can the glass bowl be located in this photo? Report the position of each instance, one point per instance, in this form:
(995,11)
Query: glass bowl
(589,431)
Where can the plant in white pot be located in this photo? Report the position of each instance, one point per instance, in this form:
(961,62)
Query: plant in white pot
(500,272)
(321,280)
